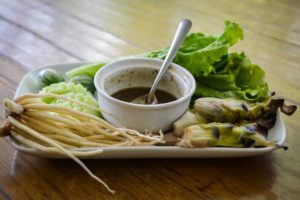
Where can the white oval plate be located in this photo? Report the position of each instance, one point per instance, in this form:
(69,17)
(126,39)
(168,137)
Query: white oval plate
(30,84)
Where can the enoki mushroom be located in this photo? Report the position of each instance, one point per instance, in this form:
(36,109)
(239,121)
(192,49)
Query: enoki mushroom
(60,129)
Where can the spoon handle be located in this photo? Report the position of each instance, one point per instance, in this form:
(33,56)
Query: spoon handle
(182,30)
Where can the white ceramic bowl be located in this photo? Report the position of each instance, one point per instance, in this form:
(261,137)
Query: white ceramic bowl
(141,72)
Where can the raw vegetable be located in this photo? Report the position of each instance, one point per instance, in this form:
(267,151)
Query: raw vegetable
(199,52)
(235,77)
(53,128)
(50,76)
(73,91)
(92,68)
(89,69)
(86,81)
(218,73)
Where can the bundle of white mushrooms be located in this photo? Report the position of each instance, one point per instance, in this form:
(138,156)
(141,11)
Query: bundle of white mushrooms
(60,129)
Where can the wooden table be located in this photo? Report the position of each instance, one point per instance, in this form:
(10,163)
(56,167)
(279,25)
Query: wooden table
(34,33)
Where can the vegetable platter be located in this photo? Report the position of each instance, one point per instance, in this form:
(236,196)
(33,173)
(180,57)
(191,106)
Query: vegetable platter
(56,114)
(30,84)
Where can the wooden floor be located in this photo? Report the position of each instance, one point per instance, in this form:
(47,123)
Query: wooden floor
(34,33)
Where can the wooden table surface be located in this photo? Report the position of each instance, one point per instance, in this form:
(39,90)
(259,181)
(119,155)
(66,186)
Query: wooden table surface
(34,33)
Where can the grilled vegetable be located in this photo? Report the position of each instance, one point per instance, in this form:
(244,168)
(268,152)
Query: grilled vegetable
(224,135)
(50,76)
(234,111)
(187,119)
(198,136)
(229,110)
(86,81)
(229,122)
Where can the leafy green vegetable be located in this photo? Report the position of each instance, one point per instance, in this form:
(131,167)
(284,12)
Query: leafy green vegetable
(217,72)
(50,76)
(89,70)
(73,91)
(238,78)
(199,52)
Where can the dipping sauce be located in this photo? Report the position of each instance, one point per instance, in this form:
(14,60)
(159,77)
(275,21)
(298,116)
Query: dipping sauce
(130,94)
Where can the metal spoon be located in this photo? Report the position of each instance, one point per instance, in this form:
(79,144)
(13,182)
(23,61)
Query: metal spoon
(182,30)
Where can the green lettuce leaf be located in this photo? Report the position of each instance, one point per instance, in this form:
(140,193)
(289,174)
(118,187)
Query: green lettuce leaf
(239,78)
(199,52)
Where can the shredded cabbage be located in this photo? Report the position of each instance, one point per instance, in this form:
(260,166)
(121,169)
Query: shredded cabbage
(73,91)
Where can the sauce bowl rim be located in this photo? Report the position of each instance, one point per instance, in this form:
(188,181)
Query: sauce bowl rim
(177,67)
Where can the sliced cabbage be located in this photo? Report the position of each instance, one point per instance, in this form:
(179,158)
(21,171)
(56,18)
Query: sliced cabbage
(74,91)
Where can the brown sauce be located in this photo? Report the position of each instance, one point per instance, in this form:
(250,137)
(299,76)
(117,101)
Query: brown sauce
(130,94)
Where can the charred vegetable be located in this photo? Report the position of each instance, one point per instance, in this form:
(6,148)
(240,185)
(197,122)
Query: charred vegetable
(229,122)
(189,118)
(224,135)
(233,110)
(198,136)
(229,110)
